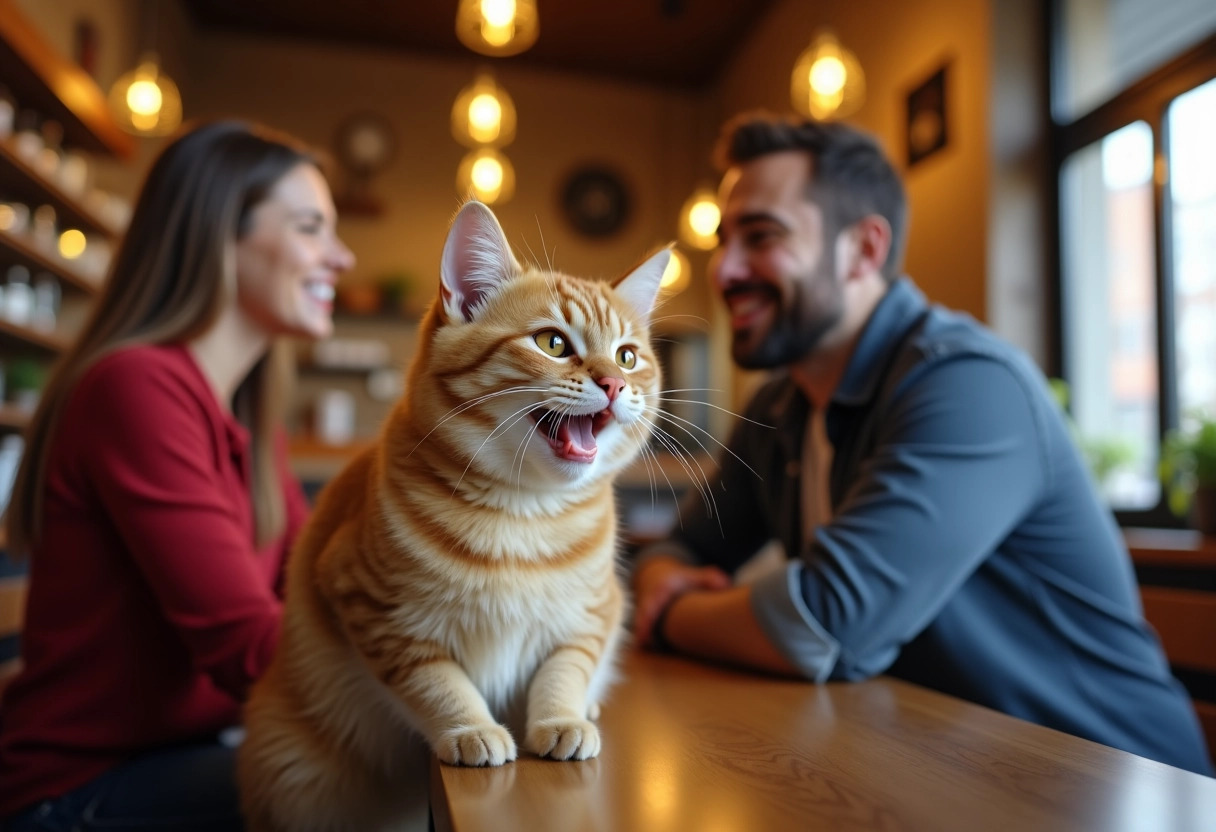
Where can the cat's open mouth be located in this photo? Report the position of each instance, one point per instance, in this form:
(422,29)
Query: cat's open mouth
(571,437)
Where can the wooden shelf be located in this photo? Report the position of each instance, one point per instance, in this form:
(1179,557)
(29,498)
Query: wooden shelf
(1171,547)
(24,184)
(310,368)
(25,253)
(14,418)
(43,341)
(55,87)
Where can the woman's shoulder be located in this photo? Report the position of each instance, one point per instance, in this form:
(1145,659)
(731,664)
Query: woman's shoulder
(145,374)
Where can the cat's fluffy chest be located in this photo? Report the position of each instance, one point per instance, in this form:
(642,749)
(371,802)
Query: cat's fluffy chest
(501,629)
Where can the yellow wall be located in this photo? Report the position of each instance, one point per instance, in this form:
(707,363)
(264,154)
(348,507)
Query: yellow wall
(899,44)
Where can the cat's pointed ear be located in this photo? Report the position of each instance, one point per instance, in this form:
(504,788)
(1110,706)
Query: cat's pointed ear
(476,259)
(640,287)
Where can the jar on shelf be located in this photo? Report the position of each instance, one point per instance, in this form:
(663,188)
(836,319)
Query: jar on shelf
(18,295)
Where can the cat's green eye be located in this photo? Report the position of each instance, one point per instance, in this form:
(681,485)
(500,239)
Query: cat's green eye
(627,358)
(553,343)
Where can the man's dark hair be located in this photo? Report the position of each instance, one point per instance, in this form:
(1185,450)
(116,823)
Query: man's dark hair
(850,175)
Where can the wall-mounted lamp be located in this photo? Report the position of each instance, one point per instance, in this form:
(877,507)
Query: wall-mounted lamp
(827,82)
(483,114)
(487,175)
(699,220)
(497,28)
(145,101)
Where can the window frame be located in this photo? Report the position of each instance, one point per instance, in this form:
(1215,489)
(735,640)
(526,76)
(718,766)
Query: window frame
(1145,100)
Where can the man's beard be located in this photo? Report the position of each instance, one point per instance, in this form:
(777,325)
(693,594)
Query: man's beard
(816,307)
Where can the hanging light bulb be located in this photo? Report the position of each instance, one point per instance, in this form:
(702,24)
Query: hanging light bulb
(677,274)
(145,101)
(487,175)
(827,82)
(483,114)
(699,220)
(497,28)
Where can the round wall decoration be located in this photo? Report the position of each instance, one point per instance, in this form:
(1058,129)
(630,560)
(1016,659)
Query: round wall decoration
(366,143)
(595,200)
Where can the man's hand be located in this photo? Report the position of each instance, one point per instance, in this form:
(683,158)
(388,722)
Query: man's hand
(657,583)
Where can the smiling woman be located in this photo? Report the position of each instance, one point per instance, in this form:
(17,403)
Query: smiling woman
(155,502)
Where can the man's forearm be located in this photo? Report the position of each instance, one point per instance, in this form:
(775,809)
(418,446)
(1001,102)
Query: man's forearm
(720,626)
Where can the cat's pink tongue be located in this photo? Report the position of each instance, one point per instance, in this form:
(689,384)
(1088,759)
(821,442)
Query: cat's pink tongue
(574,440)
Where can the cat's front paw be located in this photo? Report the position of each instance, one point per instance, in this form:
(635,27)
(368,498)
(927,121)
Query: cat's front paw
(564,739)
(480,745)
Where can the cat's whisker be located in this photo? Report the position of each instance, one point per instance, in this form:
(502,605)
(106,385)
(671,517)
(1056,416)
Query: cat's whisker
(541,232)
(461,408)
(704,490)
(505,426)
(690,456)
(681,455)
(648,455)
(659,395)
(661,318)
(677,419)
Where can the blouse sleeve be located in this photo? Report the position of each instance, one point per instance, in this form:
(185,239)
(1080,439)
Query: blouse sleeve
(156,466)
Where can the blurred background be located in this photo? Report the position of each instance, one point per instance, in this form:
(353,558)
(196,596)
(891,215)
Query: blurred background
(1057,157)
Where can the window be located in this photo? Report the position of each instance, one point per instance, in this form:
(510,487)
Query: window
(1136,179)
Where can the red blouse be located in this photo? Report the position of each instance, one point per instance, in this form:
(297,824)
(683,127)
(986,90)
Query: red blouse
(149,612)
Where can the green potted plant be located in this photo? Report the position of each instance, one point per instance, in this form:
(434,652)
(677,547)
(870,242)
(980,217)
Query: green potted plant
(24,380)
(1188,473)
(398,292)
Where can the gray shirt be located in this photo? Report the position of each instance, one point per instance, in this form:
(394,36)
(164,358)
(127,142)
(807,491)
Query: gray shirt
(967,550)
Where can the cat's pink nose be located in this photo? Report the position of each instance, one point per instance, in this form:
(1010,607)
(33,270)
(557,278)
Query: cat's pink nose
(612,386)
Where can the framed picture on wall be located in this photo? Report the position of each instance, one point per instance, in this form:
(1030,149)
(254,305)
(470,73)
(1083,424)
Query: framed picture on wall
(926,129)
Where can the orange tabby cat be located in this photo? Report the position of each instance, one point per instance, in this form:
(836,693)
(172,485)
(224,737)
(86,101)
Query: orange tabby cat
(462,572)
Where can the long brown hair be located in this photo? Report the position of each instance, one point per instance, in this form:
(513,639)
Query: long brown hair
(170,279)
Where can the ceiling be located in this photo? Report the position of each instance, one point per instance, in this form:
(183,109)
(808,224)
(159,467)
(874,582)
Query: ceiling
(680,43)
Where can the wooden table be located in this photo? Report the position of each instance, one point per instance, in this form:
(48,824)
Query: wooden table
(691,747)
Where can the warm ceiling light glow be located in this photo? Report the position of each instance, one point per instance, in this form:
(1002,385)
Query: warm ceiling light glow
(704,218)
(144,98)
(483,114)
(486,175)
(72,244)
(827,75)
(497,28)
(827,82)
(8,217)
(145,101)
(498,12)
(677,274)
(485,117)
(699,219)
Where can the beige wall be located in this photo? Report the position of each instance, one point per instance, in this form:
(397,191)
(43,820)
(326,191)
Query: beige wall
(899,45)
(309,89)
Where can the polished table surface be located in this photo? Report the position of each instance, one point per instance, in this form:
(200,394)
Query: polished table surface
(688,746)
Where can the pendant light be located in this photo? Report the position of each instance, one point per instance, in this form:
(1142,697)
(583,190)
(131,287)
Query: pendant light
(827,82)
(497,28)
(486,175)
(145,101)
(483,114)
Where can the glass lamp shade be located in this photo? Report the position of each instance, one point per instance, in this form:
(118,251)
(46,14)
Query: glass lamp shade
(486,175)
(827,82)
(145,101)
(699,220)
(497,28)
(483,114)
